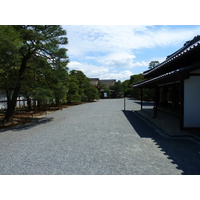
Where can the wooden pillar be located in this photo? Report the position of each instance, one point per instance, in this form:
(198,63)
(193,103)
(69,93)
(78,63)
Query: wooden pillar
(19,101)
(174,97)
(156,100)
(141,94)
(182,105)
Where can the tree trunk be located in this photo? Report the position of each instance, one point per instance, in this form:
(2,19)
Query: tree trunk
(11,101)
(11,104)
(29,103)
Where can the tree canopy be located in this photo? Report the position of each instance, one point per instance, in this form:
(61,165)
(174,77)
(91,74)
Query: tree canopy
(80,87)
(33,63)
(152,64)
(31,52)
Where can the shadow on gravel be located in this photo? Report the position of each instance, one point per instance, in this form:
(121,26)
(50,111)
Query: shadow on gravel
(26,126)
(182,152)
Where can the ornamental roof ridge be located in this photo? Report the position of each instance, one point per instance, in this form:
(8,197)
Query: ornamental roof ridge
(187,47)
(187,44)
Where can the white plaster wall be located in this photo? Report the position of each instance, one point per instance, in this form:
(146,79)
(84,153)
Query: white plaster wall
(2,95)
(3,105)
(192,102)
(2,98)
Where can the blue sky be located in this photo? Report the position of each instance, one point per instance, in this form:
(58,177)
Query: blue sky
(119,51)
(102,41)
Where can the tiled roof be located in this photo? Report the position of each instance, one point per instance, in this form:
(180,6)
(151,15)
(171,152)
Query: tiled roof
(175,75)
(187,48)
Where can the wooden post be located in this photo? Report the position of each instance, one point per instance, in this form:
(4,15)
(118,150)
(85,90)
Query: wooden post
(182,105)
(35,106)
(141,94)
(19,102)
(156,99)
(124,103)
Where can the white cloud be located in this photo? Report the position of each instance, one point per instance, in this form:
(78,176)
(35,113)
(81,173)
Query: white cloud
(108,71)
(140,64)
(122,75)
(118,60)
(86,39)
(121,60)
(90,71)
(93,71)
(109,51)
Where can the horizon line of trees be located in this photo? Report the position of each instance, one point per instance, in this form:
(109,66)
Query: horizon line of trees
(126,89)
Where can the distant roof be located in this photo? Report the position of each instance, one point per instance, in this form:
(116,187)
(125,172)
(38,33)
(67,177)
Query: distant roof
(94,79)
(107,80)
(187,44)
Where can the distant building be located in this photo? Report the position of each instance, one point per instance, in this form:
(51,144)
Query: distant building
(176,83)
(108,82)
(94,81)
(105,93)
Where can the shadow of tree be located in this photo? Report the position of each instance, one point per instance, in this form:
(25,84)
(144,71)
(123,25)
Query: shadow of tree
(26,126)
(183,152)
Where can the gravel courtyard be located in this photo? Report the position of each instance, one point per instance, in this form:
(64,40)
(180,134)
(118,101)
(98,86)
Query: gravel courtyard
(95,138)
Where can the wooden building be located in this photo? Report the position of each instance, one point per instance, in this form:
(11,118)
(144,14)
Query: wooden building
(177,84)
(108,82)
(94,81)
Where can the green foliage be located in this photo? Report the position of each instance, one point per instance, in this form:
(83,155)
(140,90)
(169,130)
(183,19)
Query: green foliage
(58,82)
(104,89)
(91,93)
(32,57)
(42,94)
(80,88)
(73,93)
(117,90)
(148,94)
(9,59)
(135,93)
(127,88)
(152,64)
(136,78)
(82,82)
(41,75)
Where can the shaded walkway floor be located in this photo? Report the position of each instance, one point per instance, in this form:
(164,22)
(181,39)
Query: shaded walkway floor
(181,151)
(168,123)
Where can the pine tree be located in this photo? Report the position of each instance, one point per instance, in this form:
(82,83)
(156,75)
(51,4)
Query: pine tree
(25,51)
(80,88)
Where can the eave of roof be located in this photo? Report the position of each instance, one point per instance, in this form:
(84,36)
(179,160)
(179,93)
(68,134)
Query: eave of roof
(181,53)
(175,75)
(107,79)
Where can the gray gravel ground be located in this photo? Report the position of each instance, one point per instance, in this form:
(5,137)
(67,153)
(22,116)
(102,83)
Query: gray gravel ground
(95,138)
